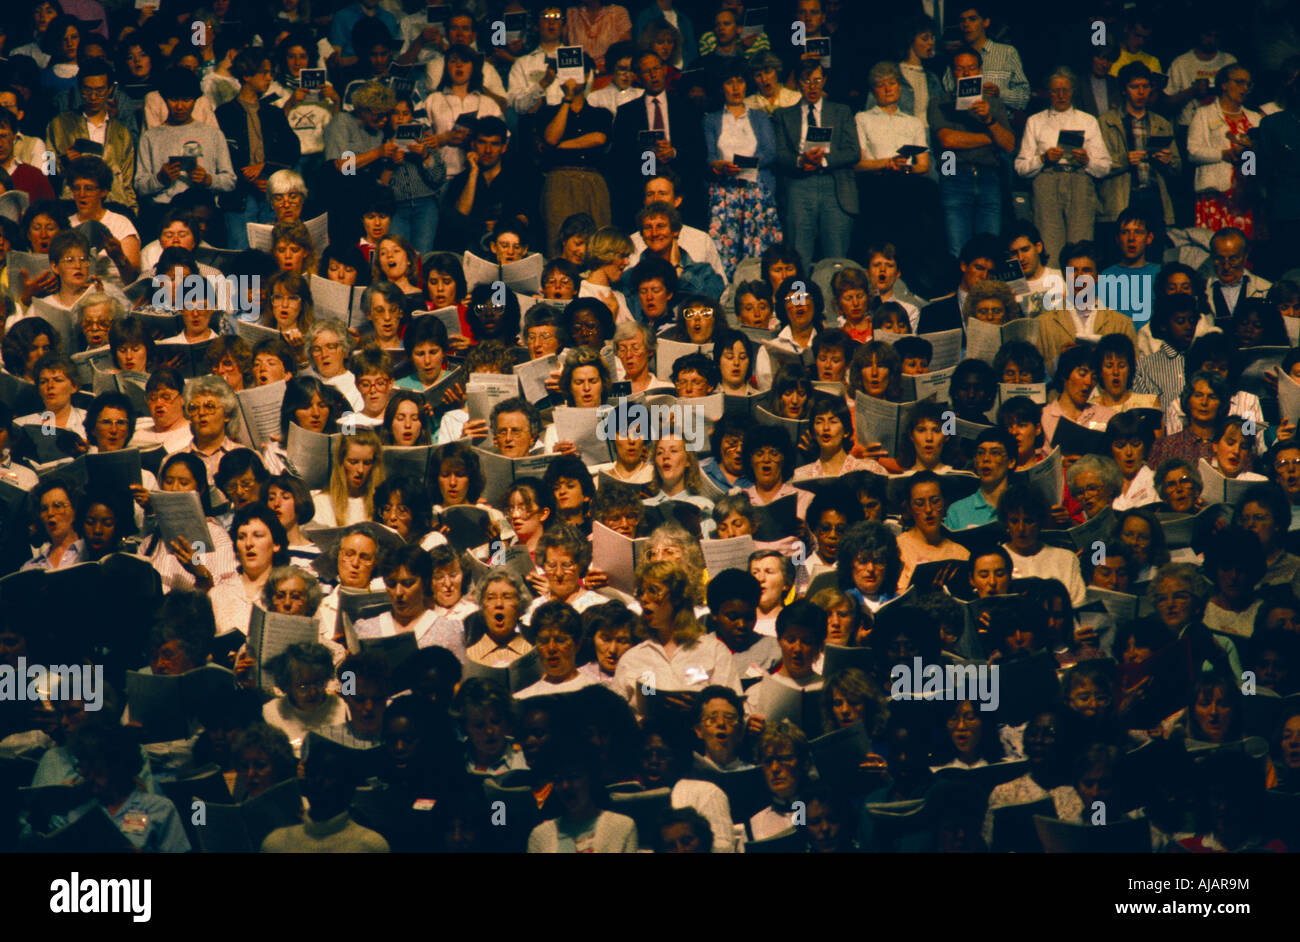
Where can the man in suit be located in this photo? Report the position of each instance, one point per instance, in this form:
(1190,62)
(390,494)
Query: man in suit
(681,147)
(1231,284)
(258,137)
(979,257)
(819,194)
(1081,314)
(1099,91)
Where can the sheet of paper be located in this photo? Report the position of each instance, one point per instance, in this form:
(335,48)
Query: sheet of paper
(732,553)
(260,407)
(180,514)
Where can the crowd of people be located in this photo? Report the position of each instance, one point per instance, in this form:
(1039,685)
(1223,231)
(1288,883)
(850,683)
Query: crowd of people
(517,426)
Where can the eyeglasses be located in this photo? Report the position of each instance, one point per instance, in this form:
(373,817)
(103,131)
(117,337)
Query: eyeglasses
(161,398)
(786,759)
(560,567)
(58,505)
(721,719)
(366,385)
(518,510)
(203,408)
(813,82)
(318,349)
(698,314)
(287,198)
(501,597)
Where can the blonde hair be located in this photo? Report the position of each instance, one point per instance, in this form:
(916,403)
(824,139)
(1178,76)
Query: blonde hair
(997,290)
(364,438)
(683,595)
(607,245)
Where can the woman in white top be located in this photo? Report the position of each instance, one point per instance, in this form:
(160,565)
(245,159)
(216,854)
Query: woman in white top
(556,633)
(260,544)
(565,559)
(90,181)
(54,507)
(309,404)
(677,476)
(358,470)
(408,579)
(460,93)
(180,564)
(972,741)
(329,345)
(634,344)
(801,632)
(1023,512)
(303,673)
(800,308)
(676,654)
(56,381)
(608,252)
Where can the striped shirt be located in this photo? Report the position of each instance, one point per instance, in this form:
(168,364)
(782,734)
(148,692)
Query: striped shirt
(709,42)
(1001,66)
(1161,373)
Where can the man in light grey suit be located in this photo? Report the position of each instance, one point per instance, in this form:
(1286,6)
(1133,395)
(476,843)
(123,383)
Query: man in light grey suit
(819,196)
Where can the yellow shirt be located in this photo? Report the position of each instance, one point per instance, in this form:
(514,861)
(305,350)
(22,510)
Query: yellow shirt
(1125,57)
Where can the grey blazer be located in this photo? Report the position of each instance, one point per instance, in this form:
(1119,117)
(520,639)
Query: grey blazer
(842,157)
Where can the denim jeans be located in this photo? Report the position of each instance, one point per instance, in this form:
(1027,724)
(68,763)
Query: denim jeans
(417,222)
(256,209)
(972,202)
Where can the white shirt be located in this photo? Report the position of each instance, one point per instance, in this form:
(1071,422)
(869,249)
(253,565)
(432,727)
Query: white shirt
(711,802)
(428,628)
(443,108)
(696,243)
(1141,491)
(881,134)
(649,100)
(525,88)
(174,440)
(803,124)
(611,97)
(325,515)
(1041,131)
(543,688)
(1184,72)
(737,139)
(76,420)
(1051,562)
(491,80)
(691,667)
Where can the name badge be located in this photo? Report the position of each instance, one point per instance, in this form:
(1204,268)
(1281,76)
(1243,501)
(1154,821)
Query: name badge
(135,822)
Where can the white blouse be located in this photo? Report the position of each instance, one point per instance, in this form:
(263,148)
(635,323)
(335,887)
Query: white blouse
(443,108)
(737,138)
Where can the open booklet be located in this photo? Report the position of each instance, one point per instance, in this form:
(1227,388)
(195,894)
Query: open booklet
(337,300)
(1220,490)
(668,352)
(983,340)
(928,385)
(253,334)
(524,276)
(467,526)
(484,390)
(409,461)
(310,455)
(115,471)
(499,472)
(1288,393)
(532,376)
(879,420)
(587,429)
(270,634)
(1181,529)
(259,234)
(518,674)
(259,413)
(450,317)
(617,555)
(180,516)
(731,553)
(1046,478)
(60,318)
(164,704)
(241,828)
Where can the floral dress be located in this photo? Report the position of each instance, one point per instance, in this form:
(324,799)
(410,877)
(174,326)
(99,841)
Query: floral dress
(1215,211)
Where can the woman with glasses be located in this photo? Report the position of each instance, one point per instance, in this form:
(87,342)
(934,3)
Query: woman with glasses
(328,345)
(675,649)
(786,761)
(302,673)
(403,506)
(90,180)
(530,508)
(54,503)
(287,193)
(1179,485)
(290,310)
(210,405)
(555,630)
(1217,141)
(565,559)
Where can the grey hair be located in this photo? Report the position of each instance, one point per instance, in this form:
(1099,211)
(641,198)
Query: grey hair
(674,534)
(1188,574)
(333,326)
(883,70)
(386,290)
(1103,467)
(503,574)
(94,298)
(219,389)
(285,181)
(1065,72)
(733,504)
(280,573)
(629,329)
